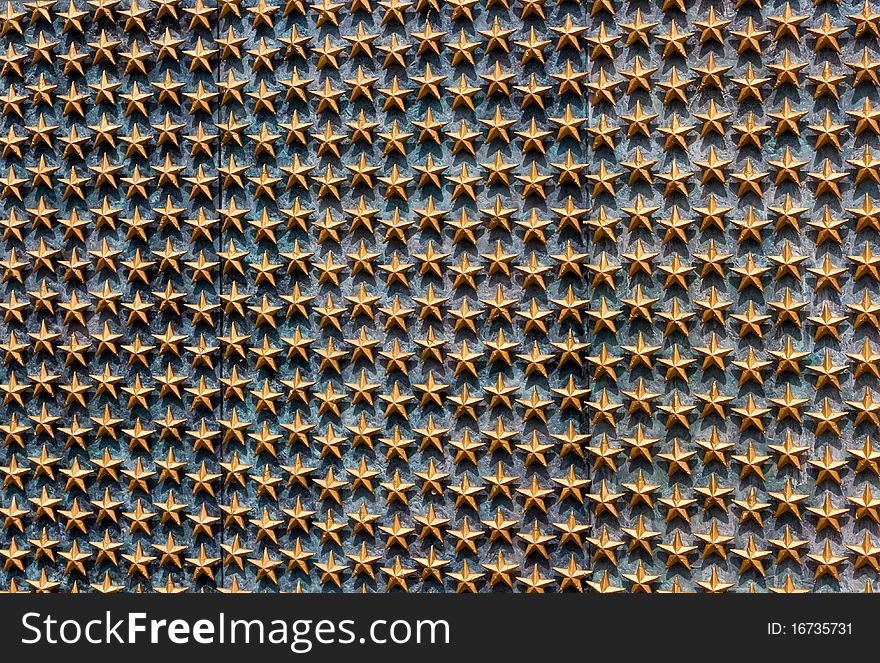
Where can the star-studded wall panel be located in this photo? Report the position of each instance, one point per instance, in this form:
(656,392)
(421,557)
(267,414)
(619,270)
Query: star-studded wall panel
(733,155)
(439,296)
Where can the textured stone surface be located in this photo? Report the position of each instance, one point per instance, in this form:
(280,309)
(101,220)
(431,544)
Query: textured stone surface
(220,235)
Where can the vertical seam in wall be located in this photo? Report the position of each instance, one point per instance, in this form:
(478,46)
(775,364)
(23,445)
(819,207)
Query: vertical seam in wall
(219,368)
(587,334)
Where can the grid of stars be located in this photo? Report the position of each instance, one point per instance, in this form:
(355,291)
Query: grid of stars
(471,295)
(734,174)
(294,296)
